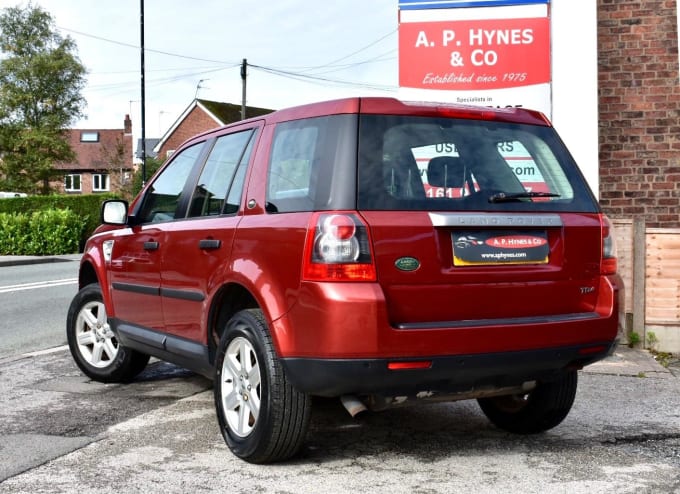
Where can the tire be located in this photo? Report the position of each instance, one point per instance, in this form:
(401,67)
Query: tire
(93,344)
(262,418)
(537,411)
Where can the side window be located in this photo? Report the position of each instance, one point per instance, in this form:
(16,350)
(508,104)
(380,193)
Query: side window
(162,198)
(221,170)
(313,165)
(236,189)
(291,160)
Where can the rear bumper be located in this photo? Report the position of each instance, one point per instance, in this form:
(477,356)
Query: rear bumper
(336,377)
(346,321)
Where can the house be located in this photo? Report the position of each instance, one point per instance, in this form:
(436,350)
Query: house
(102,163)
(199,116)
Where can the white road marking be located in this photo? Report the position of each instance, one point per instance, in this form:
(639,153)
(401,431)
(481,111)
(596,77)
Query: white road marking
(37,284)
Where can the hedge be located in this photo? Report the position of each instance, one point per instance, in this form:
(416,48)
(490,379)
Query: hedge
(74,218)
(48,232)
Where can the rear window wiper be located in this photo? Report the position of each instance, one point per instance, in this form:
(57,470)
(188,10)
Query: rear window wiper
(513,196)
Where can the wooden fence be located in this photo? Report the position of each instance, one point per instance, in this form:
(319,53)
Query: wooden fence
(649,263)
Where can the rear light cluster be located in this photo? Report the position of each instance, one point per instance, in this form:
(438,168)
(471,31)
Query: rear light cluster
(609,263)
(409,365)
(338,248)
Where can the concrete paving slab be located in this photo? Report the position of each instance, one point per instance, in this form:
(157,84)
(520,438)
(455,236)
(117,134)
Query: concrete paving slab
(632,362)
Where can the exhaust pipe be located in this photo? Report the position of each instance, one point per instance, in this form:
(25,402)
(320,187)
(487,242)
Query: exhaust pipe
(377,403)
(353,405)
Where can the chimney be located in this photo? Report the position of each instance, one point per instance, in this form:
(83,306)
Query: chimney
(128,124)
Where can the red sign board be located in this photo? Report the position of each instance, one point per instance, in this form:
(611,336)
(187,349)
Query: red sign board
(474,54)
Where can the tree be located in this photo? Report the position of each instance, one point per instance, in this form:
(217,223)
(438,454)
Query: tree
(41,79)
(152,166)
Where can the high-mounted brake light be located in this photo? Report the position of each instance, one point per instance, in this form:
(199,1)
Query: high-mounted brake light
(508,114)
(609,264)
(463,112)
(338,249)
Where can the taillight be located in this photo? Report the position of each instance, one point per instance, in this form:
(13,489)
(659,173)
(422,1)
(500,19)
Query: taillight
(338,248)
(609,263)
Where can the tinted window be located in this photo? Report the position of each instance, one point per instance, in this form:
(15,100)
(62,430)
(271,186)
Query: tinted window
(218,174)
(236,189)
(291,160)
(312,165)
(162,198)
(419,163)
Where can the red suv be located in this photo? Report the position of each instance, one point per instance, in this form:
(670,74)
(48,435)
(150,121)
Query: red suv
(369,249)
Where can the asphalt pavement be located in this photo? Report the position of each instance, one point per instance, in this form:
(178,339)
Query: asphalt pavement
(60,432)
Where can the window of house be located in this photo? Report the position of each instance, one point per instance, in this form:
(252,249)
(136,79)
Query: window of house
(89,136)
(100,182)
(72,183)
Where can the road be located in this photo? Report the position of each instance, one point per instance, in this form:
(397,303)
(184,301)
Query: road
(34,300)
(61,432)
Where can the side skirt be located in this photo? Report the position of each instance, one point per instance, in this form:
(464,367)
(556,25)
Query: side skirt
(180,351)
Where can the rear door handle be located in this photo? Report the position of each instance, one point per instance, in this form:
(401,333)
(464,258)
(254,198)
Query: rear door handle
(209,244)
(151,245)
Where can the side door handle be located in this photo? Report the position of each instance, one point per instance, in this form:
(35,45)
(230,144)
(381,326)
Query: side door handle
(151,245)
(209,244)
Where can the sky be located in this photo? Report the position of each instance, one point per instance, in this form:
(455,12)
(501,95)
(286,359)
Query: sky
(298,51)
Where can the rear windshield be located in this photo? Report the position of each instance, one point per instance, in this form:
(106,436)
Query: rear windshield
(440,164)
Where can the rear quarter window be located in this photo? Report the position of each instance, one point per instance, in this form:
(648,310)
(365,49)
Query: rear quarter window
(312,165)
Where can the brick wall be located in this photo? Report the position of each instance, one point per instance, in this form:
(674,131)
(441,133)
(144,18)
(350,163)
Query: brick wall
(639,98)
(196,121)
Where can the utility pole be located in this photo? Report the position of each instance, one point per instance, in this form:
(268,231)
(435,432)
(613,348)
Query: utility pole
(244,73)
(141,30)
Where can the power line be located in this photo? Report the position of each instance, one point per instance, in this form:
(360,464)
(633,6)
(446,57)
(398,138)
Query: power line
(128,45)
(316,79)
(114,72)
(328,64)
(232,63)
(313,78)
(377,58)
(132,84)
(373,43)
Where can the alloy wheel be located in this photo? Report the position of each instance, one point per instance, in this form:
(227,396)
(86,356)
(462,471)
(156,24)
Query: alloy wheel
(241,386)
(96,342)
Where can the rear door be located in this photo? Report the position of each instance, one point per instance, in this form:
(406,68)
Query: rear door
(493,222)
(198,248)
(426,279)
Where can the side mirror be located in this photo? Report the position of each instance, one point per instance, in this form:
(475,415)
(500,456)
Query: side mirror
(114,212)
